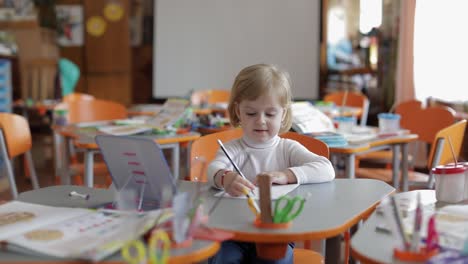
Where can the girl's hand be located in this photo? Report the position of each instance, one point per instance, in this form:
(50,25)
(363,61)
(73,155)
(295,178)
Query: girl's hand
(234,184)
(280,177)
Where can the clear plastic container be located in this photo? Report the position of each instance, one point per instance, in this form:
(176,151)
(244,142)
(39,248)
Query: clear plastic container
(450,183)
(60,117)
(345,124)
(389,123)
(465,163)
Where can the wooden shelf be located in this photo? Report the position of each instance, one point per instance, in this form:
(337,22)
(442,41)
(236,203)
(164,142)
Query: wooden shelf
(18,24)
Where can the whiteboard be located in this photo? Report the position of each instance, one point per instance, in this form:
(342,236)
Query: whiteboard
(203,44)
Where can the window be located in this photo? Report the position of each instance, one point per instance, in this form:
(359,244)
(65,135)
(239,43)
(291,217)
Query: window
(440,50)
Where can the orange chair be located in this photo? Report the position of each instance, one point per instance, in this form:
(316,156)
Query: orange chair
(408,106)
(440,154)
(15,139)
(413,118)
(93,110)
(353,99)
(205,148)
(89,110)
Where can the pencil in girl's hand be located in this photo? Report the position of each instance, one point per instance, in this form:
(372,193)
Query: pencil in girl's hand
(252,204)
(232,161)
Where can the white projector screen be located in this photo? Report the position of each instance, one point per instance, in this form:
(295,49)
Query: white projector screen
(203,44)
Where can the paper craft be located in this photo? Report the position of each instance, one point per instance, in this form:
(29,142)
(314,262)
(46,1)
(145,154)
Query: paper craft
(276,192)
(170,113)
(71,232)
(181,206)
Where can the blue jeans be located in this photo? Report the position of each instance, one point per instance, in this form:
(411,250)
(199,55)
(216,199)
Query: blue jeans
(243,252)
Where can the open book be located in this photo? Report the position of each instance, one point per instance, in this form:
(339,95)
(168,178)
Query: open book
(70,232)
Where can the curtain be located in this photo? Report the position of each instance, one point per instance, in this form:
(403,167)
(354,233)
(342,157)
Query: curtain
(404,71)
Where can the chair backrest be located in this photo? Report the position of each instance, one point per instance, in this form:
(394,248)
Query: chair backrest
(427,122)
(16,132)
(38,79)
(77,97)
(207,146)
(407,106)
(93,110)
(441,153)
(218,96)
(210,96)
(353,99)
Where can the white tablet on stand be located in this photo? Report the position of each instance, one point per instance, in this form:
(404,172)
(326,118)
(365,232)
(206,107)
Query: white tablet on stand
(137,165)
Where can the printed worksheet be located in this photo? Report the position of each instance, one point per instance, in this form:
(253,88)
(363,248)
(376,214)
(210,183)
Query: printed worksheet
(92,236)
(19,217)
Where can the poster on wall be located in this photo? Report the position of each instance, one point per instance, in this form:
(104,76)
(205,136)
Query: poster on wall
(69,25)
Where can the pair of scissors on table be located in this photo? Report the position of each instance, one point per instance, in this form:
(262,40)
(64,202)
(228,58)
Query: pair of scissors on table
(286,209)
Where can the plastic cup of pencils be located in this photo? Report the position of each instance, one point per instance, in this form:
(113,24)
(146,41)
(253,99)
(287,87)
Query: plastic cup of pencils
(465,196)
(389,123)
(450,183)
(345,124)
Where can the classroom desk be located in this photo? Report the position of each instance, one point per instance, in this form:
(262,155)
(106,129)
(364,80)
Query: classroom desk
(200,250)
(370,246)
(84,140)
(333,208)
(396,143)
(335,110)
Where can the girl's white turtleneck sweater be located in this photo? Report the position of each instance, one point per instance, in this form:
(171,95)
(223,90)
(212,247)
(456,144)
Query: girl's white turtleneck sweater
(277,154)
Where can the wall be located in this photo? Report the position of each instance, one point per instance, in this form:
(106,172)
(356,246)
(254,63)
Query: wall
(203,44)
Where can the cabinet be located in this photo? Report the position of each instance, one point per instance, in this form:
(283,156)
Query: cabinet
(5,86)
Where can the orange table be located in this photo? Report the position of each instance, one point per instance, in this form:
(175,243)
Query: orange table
(84,140)
(396,143)
(334,207)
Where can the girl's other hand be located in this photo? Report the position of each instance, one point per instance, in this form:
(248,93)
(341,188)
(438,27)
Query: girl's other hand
(234,184)
(280,177)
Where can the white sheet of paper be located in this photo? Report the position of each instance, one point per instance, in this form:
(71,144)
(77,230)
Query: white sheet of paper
(276,192)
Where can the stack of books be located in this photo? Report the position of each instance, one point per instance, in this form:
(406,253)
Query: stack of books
(332,139)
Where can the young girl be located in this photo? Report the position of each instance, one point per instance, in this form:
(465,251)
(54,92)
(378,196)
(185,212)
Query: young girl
(260,103)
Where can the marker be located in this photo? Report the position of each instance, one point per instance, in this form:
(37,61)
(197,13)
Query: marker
(399,224)
(81,195)
(417,225)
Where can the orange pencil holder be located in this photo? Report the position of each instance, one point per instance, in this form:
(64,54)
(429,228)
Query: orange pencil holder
(421,255)
(258,223)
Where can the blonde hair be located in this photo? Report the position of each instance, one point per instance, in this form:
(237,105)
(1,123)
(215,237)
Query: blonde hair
(257,80)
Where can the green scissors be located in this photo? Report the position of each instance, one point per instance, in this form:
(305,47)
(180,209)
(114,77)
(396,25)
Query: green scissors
(285,209)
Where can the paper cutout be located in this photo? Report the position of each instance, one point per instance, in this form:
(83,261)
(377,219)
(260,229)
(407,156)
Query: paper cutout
(113,12)
(181,207)
(96,26)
